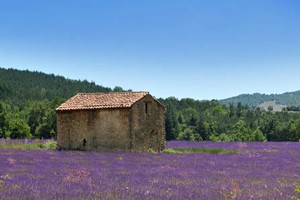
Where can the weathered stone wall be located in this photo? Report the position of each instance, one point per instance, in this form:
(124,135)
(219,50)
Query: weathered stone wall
(147,125)
(139,128)
(105,129)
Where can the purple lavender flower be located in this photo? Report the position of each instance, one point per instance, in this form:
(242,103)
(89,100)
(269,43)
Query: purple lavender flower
(259,171)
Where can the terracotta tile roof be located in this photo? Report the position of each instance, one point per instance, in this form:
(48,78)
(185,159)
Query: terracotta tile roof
(83,101)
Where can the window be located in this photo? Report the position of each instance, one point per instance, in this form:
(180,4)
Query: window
(146,107)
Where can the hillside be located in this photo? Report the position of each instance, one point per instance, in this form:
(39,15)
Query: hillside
(289,99)
(28,101)
(272,106)
(20,86)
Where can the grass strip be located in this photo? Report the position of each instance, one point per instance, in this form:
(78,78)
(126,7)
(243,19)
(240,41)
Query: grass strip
(200,150)
(29,146)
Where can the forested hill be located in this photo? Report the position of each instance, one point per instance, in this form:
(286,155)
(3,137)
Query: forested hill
(28,101)
(289,99)
(18,87)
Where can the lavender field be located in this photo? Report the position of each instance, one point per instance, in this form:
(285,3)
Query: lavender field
(257,171)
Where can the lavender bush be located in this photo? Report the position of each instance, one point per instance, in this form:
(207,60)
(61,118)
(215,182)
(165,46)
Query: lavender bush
(258,171)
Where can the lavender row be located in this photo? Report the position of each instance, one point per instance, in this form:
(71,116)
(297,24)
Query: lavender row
(282,146)
(259,171)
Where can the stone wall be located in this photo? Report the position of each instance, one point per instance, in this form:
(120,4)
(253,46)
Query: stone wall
(105,129)
(147,125)
(139,128)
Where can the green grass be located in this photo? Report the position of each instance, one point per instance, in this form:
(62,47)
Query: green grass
(36,145)
(39,145)
(200,150)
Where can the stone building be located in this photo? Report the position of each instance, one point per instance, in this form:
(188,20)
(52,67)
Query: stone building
(132,121)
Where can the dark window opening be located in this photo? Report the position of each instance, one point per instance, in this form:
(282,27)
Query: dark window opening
(146,108)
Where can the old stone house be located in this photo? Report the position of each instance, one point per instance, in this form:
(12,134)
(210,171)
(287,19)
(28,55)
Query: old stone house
(132,121)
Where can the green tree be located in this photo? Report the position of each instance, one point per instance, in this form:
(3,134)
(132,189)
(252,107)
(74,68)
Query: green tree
(2,121)
(189,134)
(47,129)
(240,132)
(293,132)
(171,123)
(224,137)
(35,112)
(221,138)
(201,129)
(231,110)
(190,116)
(239,109)
(19,129)
(258,136)
(118,89)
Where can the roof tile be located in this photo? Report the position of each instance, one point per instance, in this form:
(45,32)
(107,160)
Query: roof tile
(83,101)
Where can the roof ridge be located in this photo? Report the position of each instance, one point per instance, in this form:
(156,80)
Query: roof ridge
(102,100)
(145,92)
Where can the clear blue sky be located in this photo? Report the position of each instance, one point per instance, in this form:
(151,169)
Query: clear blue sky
(202,49)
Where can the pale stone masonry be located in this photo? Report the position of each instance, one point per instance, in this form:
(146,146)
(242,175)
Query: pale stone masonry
(131,121)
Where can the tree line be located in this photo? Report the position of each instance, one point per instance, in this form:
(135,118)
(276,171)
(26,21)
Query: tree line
(18,87)
(37,119)
(189,119)
(28,101)
(185,119)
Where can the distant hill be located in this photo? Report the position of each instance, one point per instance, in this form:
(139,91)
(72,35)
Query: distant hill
(272,106)
(288,99)
(18,86)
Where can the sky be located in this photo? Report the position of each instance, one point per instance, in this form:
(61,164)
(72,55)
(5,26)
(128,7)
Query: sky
(201,49)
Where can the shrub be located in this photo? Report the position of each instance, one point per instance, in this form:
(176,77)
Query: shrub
(19,129)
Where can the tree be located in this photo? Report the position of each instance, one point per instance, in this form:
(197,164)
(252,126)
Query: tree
(19,129)
(293,132)
(35,113)
(258,136)
(231,110)
(224,137)
(221,138)
(270,108)
(270,127)
(118,89)
(171,123)
(239,109)
(201,129)
(189,134)
(190,116)
(47,129)
(2,121)
(240,132)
